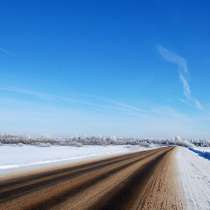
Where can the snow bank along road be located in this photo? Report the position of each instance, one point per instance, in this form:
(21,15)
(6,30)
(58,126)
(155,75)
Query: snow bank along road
(140,180)
(194,174)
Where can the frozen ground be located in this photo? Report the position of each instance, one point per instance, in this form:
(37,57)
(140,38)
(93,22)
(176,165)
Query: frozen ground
(194,172)
(13,157)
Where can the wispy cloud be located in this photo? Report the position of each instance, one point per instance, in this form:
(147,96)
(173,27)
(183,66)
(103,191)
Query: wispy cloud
(95,102)
(6,52)
(186,86)
(90,115)
(183,72)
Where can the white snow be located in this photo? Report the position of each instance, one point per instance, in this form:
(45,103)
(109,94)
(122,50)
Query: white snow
(194,173)
(13,157)
(203,149)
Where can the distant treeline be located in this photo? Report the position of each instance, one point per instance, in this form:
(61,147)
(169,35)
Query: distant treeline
(79,141)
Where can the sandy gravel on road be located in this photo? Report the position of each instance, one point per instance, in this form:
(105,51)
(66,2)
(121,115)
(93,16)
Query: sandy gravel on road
(163,189)
(146,180)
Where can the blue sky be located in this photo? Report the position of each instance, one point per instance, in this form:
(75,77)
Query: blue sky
(124,68)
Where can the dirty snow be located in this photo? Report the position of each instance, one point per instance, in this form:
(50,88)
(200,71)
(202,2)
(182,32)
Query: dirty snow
(194,172)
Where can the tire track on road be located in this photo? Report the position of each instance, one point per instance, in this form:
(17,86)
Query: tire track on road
(122,182)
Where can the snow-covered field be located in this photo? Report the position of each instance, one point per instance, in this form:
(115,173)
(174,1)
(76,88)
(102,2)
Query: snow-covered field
(194,172)
(13,157)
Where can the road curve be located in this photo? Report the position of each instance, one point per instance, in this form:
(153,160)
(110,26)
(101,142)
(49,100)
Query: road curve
(140,180)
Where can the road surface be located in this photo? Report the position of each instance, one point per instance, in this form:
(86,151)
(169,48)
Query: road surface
(140,180)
